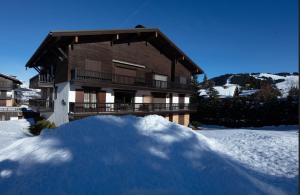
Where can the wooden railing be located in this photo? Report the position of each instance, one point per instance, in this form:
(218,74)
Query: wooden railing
(41,80)
(11,109)
(41,105)
(87,75)
(132,107)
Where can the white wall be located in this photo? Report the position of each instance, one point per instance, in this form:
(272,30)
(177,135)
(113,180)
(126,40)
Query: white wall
(175,98)
(72,95)
(139,96)
(168,100)
(110,97)
(187,100)
(60,114)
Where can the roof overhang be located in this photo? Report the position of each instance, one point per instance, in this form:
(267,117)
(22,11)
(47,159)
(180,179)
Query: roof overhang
(11,78)
(151,35)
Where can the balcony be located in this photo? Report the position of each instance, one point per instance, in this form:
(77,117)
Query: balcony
(41,105)
(6,85)
(134,108)
(41,80)
(5,96)
(110,78)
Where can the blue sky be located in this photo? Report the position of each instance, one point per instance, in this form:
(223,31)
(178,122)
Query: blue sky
(220,36)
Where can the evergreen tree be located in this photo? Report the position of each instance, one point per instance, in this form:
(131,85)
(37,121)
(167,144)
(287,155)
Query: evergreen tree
(195,87)
(293,92)
(212,92)
(267,93)
(205,78)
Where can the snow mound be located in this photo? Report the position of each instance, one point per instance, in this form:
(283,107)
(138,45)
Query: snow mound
(128,155)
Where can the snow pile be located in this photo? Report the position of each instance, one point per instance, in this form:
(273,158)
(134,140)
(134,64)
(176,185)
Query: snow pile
(129,155)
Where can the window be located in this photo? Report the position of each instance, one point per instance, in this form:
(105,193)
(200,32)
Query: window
(160,81)
(90,99)
(182,80)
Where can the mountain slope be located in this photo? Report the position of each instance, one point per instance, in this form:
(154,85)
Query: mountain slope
(248,83)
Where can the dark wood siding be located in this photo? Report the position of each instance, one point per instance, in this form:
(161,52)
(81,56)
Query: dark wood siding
(104,53)
(79,95)
(101,97)
(181,119)
(2,102)
(98,53)
(181,70)
(181,98)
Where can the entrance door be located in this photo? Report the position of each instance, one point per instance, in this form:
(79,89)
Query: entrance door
(101,101)
(181,119)
(181,101)
(90,100)
(124,100)
(159,101)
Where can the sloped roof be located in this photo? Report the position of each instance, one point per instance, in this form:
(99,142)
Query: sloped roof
(11,78)
(152,35)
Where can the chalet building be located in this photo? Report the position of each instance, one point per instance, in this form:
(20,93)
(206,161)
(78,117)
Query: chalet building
(135,71)
(8,98)
(8,84)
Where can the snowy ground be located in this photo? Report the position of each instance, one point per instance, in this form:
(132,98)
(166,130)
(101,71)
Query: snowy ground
(150,155)
(266,151)
(10,131)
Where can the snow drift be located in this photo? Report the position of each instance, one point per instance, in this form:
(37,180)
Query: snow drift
(128,155)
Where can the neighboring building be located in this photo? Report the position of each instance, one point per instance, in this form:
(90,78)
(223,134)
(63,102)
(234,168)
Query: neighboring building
(8,98)
(8,85)
(228,90)
(135,71)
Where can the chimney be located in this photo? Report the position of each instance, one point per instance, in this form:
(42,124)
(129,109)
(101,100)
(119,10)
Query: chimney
(140,26)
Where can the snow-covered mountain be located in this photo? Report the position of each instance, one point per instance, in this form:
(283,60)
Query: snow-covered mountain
(283,82)
(248,83)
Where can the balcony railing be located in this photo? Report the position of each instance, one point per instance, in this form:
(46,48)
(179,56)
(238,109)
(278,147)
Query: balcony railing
(41,80)
(6,85)
(5,96)
(95,108)
(87,75)
(41,105)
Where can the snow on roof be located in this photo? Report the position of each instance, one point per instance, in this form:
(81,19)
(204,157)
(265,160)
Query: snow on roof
(227,90)
(248,92)
(12,78)
(202,92)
